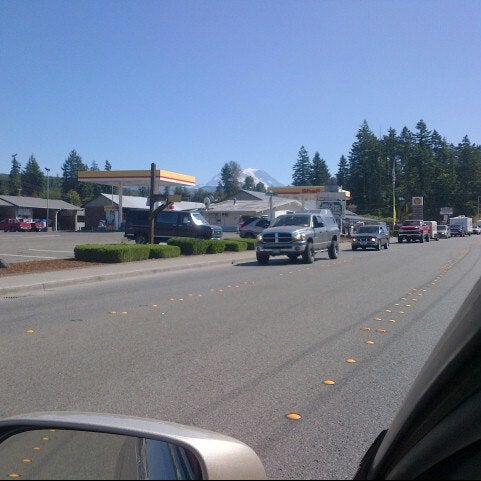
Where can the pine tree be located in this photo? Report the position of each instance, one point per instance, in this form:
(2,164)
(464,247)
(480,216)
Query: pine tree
(260,187)
(320,174)
(15,177)
(72,165)
(33,180)
(343,173)
(302,171)
(230,174)
(249,183)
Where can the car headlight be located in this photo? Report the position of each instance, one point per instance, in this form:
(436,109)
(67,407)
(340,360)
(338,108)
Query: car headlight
(299,237)
(259,237)
(354,240)
(373,239)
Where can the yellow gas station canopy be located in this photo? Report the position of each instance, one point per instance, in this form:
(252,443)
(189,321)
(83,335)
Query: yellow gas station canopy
(136,178)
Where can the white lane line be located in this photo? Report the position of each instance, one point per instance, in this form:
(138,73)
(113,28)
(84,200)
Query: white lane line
(50,250)
(18,255)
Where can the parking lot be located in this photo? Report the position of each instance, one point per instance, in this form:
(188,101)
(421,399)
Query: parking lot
(29,246)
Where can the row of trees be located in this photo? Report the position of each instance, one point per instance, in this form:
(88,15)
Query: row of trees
(421,163)
(308,171)
(31,181)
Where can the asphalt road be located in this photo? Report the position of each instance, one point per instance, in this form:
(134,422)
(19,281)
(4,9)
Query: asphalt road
(235,349)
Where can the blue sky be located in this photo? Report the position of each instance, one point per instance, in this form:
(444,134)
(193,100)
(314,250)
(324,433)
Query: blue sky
(191,85)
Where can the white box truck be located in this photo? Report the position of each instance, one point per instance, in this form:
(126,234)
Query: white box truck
(433,229)
(465,222)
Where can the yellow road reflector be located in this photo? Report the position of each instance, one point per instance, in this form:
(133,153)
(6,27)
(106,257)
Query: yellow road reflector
(365,328)
(113,312)
(14,475)
(53,430)
(36,448)
(30,331)
(293,416)
(124,312)
(409,305)
(378,318)
(46,438)
(351,360)
(381,331)
(403,299)
(329,382)
(155,305)
(397,305)
(402,312)
(26,460)
(414,299)
(392,320)
(388,310)
(369,342)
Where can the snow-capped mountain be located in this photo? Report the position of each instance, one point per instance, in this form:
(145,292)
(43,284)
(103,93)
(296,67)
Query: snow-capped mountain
(258,175)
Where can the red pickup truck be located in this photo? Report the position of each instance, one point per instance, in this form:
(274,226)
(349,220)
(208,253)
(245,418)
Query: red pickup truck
(19,225)
(413,230)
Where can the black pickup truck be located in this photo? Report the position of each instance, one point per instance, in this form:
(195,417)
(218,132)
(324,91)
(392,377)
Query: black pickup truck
(169,223)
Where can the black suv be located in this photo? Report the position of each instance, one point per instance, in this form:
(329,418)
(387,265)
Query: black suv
(374,236)
(169,223)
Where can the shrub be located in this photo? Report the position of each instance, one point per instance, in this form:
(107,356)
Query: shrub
(161,251)
(251,243)
(111,253)
(235,245)
(215,246)
(189,246)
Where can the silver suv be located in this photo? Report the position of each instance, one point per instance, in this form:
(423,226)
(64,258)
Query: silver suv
(301,234)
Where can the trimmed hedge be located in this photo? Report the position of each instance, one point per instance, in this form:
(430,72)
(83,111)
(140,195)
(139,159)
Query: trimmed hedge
(215,247)
(251,243)
(115,253)
(111,253)
(235,245)
(161,251)
(189,246)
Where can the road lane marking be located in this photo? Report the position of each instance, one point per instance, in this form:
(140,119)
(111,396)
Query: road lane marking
(50,250)
(30,257)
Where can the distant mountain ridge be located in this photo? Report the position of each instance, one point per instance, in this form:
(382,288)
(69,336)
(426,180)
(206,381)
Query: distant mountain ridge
(257,174)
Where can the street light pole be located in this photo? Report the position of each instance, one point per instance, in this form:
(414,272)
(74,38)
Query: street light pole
(48,193)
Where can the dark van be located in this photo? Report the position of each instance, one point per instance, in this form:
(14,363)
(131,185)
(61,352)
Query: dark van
(169,223)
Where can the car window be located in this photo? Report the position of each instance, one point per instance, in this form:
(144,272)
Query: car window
(167,217)
(198,218)
(293,220)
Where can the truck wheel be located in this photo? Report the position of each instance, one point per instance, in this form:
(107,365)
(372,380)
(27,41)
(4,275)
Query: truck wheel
(428,238)
(399,240)
(333,250)
(140,238)
(386,245)
(308,254)
(262,259)
(421,239)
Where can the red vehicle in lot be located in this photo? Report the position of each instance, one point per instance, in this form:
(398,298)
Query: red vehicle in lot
(21,225)
(413,230)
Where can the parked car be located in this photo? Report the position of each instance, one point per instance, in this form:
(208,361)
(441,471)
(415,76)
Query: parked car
(444,231)
(244,220)
(251,229)
(457,231)
(169,223)
(476,230)
(370,236)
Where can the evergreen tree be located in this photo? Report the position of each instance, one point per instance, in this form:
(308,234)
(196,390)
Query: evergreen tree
(249,183)
(469,176)
(72,165)
(343,173)
(302,171)
(230,174)
(33,180)
(15,177)
(97,189)
(260,187)
(108,166)
(73,197)
(364,161)
(320,174)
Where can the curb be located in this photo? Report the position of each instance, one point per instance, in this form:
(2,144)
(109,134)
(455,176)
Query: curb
(44,286)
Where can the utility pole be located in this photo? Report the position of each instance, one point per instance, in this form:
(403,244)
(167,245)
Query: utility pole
(48,193)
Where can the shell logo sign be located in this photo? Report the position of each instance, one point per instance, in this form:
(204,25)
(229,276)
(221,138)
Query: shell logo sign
(418,201)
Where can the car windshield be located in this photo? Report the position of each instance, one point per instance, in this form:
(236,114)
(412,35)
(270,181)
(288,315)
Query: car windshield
(199,219)
(442,227)
(369,229)
(296,220)
(411,222)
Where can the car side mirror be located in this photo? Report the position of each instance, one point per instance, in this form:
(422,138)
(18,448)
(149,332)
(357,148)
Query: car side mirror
(93,446)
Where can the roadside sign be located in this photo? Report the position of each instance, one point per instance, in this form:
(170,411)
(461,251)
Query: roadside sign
(336,207)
